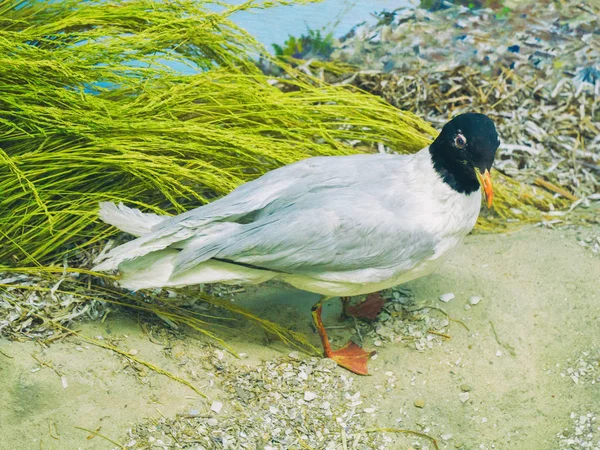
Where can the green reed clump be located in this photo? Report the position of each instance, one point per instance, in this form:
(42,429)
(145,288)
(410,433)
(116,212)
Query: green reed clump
(90,111)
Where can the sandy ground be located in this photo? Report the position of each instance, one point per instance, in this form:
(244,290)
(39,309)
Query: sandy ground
(541,296)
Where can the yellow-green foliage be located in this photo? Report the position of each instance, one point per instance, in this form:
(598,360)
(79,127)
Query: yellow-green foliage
(90,112)
(91,109)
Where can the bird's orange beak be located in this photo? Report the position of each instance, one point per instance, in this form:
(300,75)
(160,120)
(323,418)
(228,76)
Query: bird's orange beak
(486,183)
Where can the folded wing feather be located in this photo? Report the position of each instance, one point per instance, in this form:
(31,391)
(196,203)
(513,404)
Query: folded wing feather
(302,217)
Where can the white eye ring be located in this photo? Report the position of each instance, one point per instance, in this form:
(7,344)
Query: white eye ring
(460,141)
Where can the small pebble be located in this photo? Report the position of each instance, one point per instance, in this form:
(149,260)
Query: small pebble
(212,422)
(309,396)
(466,387)
(216,407)
(474,300)
(419,403)
(446,297)
(133,352)
(463,396)
(446,437)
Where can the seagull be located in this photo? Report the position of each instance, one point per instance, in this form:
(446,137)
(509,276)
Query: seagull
(337,226)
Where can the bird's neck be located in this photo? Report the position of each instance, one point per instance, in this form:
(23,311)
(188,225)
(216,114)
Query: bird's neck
(457,174)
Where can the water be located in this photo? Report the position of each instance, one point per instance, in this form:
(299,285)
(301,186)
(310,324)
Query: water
(274,25)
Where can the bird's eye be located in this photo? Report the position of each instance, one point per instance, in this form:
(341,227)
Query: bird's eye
(460,141)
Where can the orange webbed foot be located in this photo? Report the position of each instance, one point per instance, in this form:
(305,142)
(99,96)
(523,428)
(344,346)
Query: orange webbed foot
(369,309)
(352,357)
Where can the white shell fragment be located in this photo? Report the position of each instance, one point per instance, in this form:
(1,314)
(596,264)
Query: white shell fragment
(475,299)
(216,407)
(309,396)
(447,297)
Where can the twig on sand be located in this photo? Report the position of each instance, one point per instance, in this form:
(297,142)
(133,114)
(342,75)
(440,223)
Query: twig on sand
(399,430)
(508,347)
(459,322)
(46,364)
(437,333)
(95,433)
(53,434)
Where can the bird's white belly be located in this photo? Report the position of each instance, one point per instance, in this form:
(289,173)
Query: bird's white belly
(353,286)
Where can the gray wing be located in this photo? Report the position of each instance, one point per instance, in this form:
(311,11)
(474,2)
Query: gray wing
(268,195)
(334,231)
(285,184)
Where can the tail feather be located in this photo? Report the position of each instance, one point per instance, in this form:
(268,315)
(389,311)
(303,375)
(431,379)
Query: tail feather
(129,220)
(137,223)
(155,270)
(201,240)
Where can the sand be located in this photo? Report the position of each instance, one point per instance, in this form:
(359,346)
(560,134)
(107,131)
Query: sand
(540,310)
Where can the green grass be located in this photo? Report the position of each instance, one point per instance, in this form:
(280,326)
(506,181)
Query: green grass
(89,112)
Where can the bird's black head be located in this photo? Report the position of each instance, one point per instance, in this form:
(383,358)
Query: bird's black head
(464,151)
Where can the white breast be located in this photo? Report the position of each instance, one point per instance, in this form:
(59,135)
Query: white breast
(444,215)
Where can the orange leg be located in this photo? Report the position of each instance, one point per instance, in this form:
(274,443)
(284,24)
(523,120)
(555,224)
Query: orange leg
(351,356)
(369,309)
